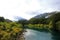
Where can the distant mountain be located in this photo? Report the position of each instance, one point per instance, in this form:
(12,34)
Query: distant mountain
(19,18)
(41,15)
(44,15)
(7,20)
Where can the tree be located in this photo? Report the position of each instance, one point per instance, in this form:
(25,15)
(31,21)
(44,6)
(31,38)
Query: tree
(55,18)
(37,20)
(23,22)
(2,19)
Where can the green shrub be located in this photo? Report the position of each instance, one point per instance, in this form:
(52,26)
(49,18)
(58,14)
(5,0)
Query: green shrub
(9,31)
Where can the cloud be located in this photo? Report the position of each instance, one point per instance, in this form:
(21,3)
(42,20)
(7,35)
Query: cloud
(24,8)
(49,5)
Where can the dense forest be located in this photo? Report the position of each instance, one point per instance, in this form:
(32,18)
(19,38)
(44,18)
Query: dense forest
(9,30)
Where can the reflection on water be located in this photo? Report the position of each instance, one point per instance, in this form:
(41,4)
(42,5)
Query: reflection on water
(37,35)
(55,35)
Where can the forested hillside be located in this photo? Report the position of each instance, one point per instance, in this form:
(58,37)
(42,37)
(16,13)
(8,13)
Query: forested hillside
(48,21)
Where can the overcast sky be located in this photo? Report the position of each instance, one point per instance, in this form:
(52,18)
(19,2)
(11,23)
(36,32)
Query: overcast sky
(27,8)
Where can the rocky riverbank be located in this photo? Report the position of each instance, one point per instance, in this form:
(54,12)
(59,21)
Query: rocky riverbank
(21,35)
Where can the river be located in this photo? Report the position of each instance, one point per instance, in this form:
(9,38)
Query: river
(37,35)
